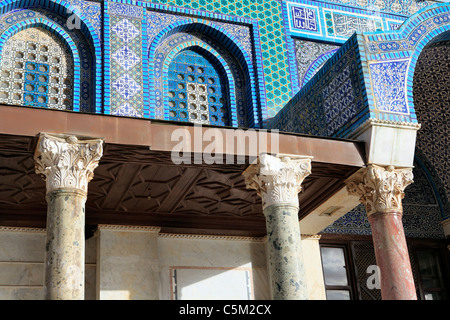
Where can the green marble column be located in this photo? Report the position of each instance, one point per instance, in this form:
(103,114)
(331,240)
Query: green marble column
(278,182)
(67,165)
(65,246)
(285,254)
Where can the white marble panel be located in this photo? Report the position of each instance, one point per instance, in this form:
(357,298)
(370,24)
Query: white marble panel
(21,273)
(21,293)
(208,283)
(217,257)
(127,264)
(389,142)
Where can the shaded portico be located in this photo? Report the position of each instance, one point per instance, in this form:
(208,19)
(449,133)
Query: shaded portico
(137,182)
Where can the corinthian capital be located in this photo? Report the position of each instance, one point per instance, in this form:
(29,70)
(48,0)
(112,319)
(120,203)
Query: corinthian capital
(278,180)
(66,162)
(380,188)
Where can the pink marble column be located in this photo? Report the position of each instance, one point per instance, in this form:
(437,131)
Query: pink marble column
(381,191)
(392,257)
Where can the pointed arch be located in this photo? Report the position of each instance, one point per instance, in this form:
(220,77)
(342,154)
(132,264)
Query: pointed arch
(220,61)
(222,36)
(63,36)
(65,9)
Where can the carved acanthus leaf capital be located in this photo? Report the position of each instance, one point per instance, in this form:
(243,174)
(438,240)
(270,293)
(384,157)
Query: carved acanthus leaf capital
(381,189)
(66,162)
(278,180)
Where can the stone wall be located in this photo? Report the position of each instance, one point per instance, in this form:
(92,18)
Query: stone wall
(22,254)
(139,263)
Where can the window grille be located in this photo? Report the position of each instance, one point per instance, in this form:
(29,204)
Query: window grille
(36,69)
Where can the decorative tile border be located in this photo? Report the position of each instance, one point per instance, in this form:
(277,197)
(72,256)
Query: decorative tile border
(403,8)
(388,79)
(123,60)
(265,38)
(327,22)
(64,8)
(174,51)
(254,73)
(333,102)
(58,31)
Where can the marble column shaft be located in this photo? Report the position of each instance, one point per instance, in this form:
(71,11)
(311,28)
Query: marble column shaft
(285,255)
(65,246)
(67,165)
(391,252)
(278,182)
(381,191)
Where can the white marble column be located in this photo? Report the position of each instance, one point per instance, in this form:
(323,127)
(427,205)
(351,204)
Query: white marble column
(67,164)
(278,182)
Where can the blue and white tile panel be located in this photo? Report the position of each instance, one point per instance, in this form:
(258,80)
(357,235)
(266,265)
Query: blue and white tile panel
(326,22)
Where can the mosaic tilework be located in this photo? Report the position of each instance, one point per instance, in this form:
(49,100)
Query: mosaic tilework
(35,70)
(406,44)
(196,91)
(126,58)
(123,10)
(59,12)
(430,23)
(389,61)
(236,44)
(332,101)
(237,83)
(310,57)
(125,66)
(401,7)
(388,76)
(159,21)
(389,83)
(326,22)
(92,11)
(269,17)
(421,213)
(87,98)
(126,86)
(431,87)
(344,25)
(125,30)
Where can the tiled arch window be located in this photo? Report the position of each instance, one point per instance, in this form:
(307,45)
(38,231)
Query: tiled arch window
(197,90)
(36,69)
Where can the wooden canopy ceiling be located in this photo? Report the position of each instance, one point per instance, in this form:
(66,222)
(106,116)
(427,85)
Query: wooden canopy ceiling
(137,183)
